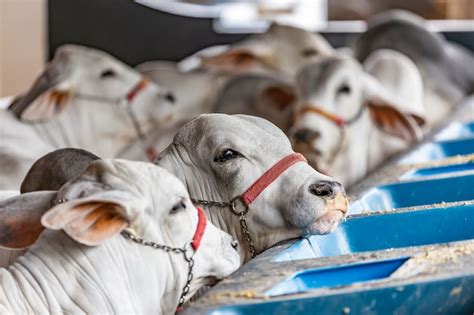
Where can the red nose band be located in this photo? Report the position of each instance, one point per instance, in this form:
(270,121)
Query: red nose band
(269,177)
(201,227)
(136,89)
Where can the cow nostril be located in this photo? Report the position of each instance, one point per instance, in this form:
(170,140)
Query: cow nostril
(323,189)
(306,135)
(235,244)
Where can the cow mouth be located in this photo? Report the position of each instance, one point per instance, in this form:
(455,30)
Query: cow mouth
(336,211)
(328,222)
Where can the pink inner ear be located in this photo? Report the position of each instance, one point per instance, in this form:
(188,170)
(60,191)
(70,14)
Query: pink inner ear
(47,105)
(392,121)
(98,229)
(281,97)
(237,59)
(89,223)
(63,214)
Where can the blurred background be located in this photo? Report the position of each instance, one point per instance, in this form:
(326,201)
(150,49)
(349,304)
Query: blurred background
(137,31)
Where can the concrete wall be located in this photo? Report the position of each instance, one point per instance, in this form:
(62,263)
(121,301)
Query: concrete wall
(22,43)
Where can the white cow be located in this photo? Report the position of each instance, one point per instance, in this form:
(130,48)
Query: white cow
(349,120)
(219,157)
(447,69)
(85,261)
(283,49)
(87,99)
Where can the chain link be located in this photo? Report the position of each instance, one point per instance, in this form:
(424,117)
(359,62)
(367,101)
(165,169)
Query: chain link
(242,219)
(169,249)
(248,237)
(220,204)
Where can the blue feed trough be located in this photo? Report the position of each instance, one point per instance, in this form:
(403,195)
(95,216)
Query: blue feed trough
(439,150)
(308,280)
(350,271)
(427,297)
(389,230)
(456,131)
(451,170)
(416,193)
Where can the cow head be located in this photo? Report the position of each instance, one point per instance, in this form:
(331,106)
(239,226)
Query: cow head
(338,104)
(219,156)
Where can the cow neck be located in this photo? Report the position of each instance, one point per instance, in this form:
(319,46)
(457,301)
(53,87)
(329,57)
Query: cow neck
(188,251)
(104,273)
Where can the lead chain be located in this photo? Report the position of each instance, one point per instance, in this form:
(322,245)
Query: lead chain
(242,220)
(168,249)
(248,237)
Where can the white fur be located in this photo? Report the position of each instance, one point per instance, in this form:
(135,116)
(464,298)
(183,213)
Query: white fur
(103,128)
(286,209)
(59,274)
(349,153)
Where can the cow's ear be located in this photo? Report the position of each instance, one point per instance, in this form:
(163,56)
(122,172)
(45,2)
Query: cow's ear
(91,220)
(20,218)
(279,97)
(377,95)
(236,59)
(46,106)
(47,98)
(391,121)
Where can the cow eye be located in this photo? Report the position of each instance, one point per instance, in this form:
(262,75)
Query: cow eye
(178,207)
(226,155)
(309,52)
(108,73)
(169,96)
(344,89)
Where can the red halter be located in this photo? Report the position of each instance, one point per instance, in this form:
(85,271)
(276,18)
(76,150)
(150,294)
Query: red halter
(150,151)
(141,85)
(339,121)
(269,177)
(201,227)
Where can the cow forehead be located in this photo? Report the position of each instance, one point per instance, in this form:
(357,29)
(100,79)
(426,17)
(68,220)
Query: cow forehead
(142,176)
(216,130)
(80,54)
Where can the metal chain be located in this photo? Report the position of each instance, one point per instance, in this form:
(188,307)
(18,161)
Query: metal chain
(242,219)
(248,237)
(169,249)
(220,204)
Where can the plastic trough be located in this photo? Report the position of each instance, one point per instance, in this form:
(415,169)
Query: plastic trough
(456,131)
(311,279)
(453,169)
(434,151)
(416,193)
(389,230)
(406,299)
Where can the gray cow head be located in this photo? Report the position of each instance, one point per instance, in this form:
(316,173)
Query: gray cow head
(219,156)
(281,49)
(89,87)
(338,105)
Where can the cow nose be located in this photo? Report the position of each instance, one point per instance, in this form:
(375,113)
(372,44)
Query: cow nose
(326,189)
(306,135)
